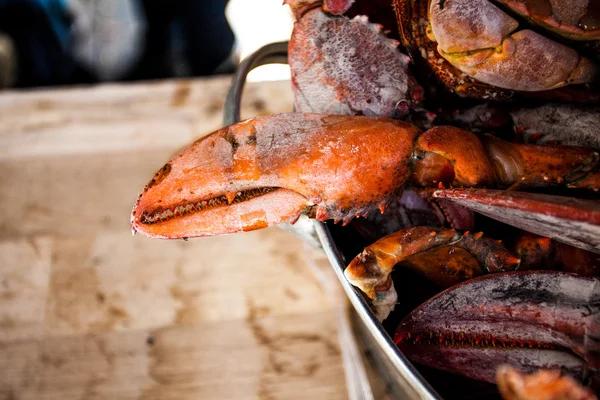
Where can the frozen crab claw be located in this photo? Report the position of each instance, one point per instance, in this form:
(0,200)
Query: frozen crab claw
(483,41)
(272,169)
(575,222)
(576,20)
(529,320)
(269,170)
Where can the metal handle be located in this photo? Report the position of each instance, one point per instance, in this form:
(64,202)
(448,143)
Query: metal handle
(274,53)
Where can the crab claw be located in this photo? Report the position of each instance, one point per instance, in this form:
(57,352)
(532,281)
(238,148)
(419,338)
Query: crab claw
(568,220)
(577,19)
(484,42)
(526,319)
(269,170)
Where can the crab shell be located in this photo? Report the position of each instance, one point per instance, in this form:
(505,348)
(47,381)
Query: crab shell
(528,319)
(348,66)
(576,20)
(478,50)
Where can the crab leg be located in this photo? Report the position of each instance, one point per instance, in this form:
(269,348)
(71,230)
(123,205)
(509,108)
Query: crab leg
(442,255)
(456,157)
(478,325)
(543,253)
(572,221)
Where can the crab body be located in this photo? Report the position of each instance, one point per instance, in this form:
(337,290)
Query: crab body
(478,49)
(348,67)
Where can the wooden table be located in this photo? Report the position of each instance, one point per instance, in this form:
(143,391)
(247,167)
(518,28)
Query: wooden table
(88,311)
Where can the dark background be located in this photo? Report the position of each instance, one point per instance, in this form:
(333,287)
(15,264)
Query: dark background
(173,38)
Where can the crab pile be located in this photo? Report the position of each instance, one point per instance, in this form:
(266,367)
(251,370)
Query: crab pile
(419,125)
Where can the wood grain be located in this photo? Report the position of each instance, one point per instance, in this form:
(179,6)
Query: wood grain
(90,312)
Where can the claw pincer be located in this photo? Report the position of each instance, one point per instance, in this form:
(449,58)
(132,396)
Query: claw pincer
(269,170)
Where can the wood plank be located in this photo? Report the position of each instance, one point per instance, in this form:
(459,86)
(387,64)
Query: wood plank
(238,359)
(83,172)
(130,118)
(24,276)
(113,281)
(91,312)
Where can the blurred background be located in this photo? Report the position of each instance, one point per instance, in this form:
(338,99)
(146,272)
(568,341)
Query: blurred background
(71,42)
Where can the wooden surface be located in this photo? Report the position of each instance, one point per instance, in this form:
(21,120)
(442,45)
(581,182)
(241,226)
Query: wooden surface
(87,311)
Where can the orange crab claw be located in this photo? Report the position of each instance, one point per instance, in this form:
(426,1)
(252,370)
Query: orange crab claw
(269,170)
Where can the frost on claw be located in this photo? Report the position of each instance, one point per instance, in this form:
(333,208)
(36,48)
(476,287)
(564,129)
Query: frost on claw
(349,67)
